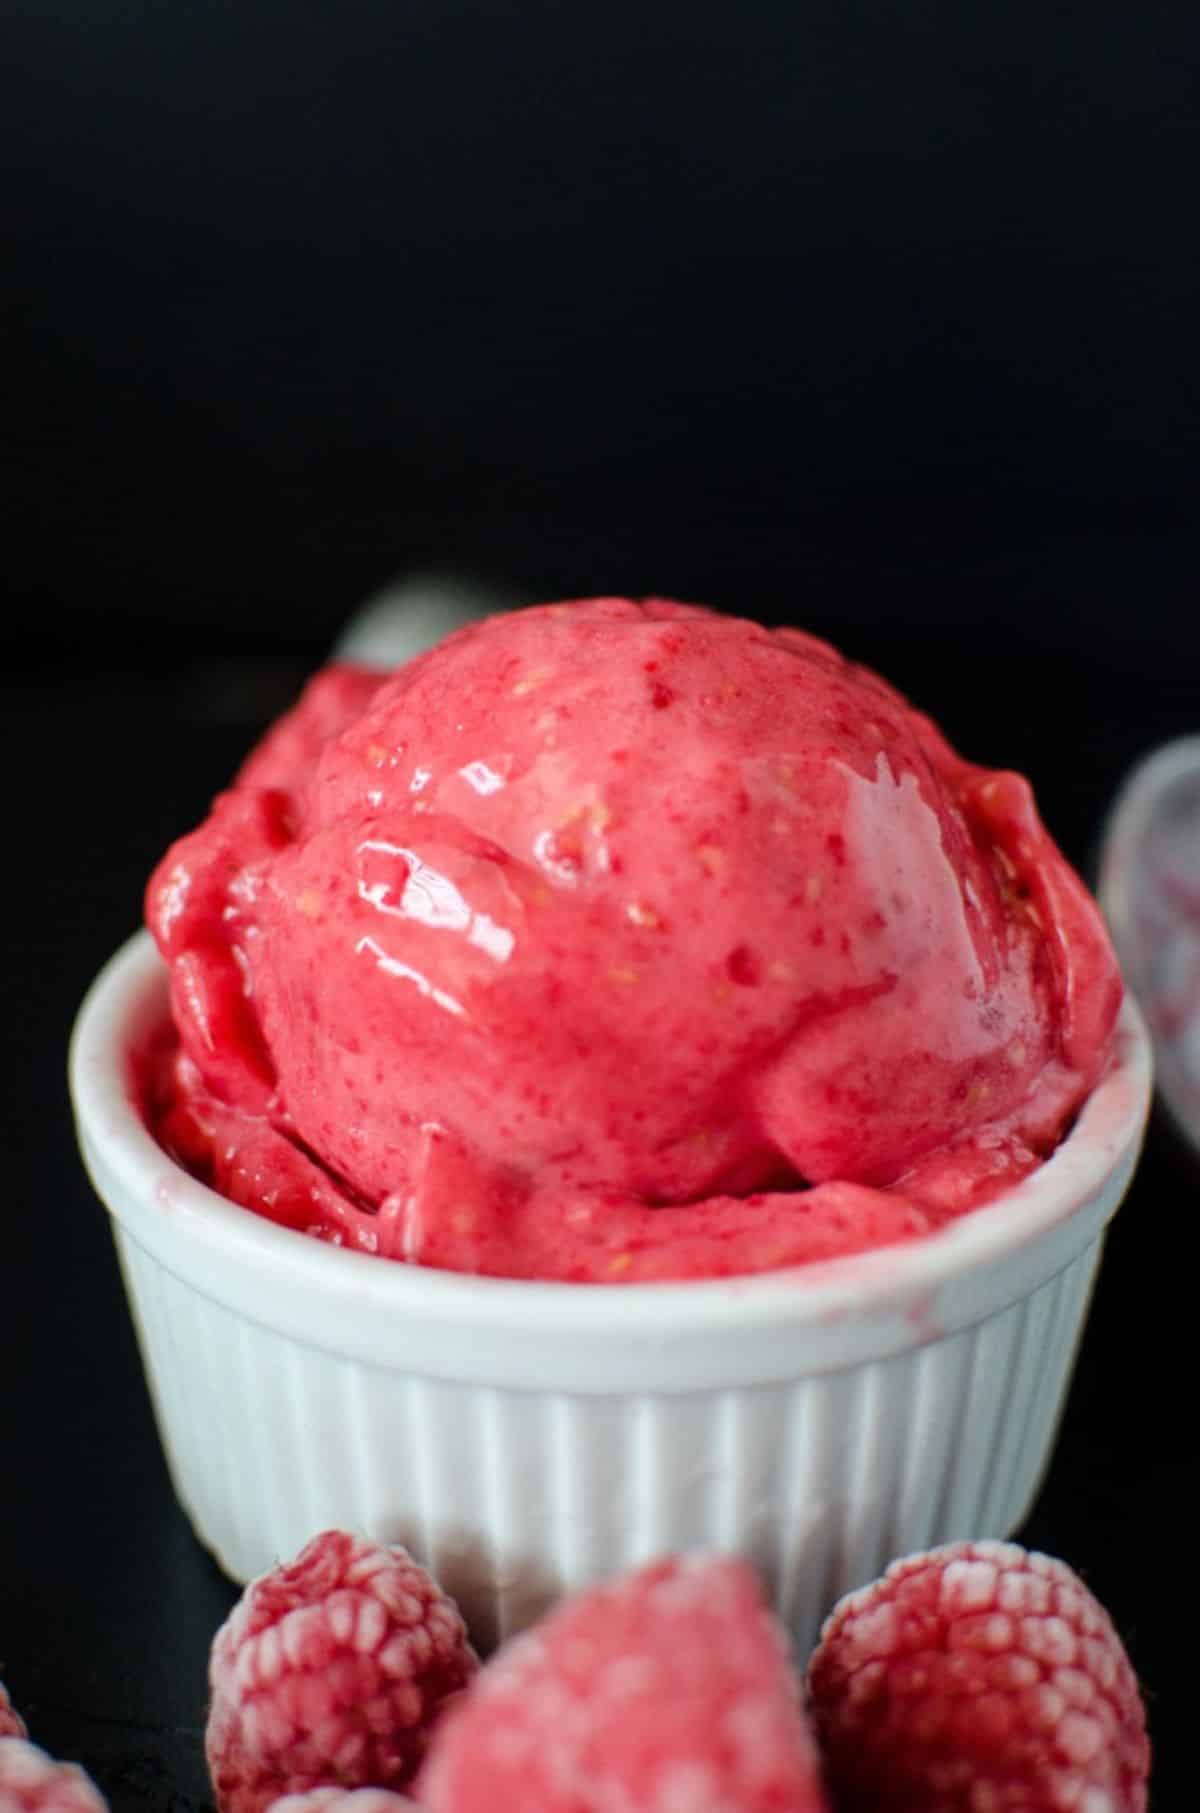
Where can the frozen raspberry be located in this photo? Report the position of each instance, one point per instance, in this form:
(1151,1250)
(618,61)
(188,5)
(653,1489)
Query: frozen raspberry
(11,1722)
(345,1800)
(668,1691)
(31,1782)
(329,1672)
(978,1678)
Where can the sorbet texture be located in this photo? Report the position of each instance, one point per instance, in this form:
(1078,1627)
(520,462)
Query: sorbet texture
(611,941)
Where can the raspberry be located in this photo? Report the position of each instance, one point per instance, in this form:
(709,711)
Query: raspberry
(668,1691)
(11,1722)
(345,1800)
(329,1672)
(978,1678)
(31,1782)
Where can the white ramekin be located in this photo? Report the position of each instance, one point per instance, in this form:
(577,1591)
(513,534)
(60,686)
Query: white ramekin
(523,1439)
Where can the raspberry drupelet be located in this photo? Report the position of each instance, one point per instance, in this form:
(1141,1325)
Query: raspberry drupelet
(11,1722)
(32,1782)
(345,1800)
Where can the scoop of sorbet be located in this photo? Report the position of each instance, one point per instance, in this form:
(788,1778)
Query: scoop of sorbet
(612,939)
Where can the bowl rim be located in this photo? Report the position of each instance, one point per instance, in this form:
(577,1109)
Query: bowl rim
(128,997)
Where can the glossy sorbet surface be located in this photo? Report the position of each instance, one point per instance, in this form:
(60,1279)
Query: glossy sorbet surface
(612,941)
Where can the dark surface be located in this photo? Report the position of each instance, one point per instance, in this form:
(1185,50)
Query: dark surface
(879,319)
(654,294)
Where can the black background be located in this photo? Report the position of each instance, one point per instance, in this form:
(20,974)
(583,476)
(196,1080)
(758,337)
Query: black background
(879,319)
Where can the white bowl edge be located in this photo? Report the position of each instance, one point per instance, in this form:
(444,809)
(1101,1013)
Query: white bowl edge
(589,1338)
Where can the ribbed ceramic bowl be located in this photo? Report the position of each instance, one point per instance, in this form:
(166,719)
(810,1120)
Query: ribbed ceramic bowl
(523,1438)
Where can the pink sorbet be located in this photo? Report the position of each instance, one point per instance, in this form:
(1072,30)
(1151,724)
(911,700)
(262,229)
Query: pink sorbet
(612,941)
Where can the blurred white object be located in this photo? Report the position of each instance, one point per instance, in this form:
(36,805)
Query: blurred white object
(1149,887)
(412,614)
